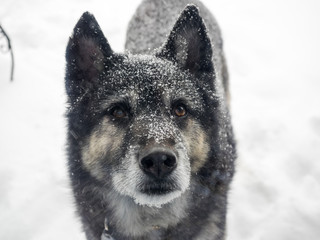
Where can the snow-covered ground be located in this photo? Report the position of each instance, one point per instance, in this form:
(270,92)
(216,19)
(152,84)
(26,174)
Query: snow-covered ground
(273,52)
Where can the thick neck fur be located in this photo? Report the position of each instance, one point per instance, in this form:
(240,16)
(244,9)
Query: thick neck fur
(175,220)
(136,221)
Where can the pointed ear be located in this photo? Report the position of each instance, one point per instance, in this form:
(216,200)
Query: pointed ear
(188,44)
(86,51)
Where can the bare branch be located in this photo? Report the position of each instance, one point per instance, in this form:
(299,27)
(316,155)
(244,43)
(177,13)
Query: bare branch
(9,48)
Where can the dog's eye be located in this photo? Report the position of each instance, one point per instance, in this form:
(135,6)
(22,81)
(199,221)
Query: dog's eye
(118,112)
(180,110)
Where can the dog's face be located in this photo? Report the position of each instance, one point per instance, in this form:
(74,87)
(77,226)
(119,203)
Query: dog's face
(148,131)
(142,119)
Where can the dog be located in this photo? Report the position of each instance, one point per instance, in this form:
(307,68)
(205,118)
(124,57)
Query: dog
(151,149)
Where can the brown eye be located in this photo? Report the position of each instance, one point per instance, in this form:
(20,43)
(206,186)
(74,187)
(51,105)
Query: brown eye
(119,113)
(180,111)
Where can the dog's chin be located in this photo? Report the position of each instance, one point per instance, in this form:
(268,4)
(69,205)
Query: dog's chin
(156,197)
(151,194)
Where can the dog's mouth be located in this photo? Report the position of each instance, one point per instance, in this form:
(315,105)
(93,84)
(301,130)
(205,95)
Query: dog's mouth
(158,188)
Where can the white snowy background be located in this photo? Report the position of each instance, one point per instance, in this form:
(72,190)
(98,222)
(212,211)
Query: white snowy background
(273,52)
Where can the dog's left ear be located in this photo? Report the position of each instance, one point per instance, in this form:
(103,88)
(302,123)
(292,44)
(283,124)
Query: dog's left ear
(188,44)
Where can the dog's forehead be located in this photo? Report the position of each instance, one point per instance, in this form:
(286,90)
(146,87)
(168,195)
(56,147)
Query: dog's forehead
(145,77)
(150,72)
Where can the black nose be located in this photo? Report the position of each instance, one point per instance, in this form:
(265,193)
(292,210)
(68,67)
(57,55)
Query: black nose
(158,164)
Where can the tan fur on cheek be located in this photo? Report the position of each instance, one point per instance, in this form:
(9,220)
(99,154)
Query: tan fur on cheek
(104,139)
(198,147)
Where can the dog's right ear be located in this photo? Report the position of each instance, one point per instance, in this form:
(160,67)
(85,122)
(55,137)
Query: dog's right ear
(86,55)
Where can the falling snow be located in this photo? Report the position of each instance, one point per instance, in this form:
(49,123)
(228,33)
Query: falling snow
(272,50)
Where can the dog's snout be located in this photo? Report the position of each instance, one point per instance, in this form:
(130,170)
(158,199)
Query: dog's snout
(158,164)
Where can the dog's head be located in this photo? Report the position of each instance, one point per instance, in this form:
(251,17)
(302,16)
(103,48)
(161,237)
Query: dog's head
(142,121)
